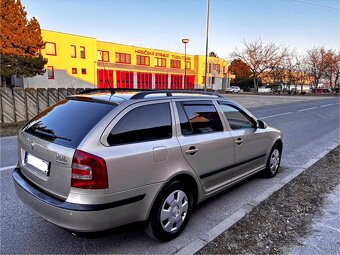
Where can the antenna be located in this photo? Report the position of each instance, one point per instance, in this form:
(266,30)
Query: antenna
(108,81)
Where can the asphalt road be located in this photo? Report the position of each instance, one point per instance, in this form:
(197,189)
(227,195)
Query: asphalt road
(308,127)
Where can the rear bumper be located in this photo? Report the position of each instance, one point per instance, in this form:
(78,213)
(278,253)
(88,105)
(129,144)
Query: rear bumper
(81,217)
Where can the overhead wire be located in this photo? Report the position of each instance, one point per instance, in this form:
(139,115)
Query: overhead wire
(318,5)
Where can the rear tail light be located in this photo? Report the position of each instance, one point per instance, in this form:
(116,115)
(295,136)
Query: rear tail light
(88,171)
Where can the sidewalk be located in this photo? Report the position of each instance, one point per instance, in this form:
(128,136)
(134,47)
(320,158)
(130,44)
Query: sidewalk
(300,218)
(325,236)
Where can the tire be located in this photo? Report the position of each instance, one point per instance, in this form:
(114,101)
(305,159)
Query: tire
(174,206)
(273,162)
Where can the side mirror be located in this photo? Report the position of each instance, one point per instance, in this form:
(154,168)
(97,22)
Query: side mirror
(261,124)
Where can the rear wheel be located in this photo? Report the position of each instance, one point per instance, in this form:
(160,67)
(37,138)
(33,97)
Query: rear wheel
(171,211)
(273,162)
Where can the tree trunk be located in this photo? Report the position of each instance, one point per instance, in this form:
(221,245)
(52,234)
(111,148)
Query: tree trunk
(255,84)
(316,85)
(3,81)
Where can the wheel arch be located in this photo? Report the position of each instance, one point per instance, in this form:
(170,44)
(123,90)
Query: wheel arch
(186,178)
(279,142)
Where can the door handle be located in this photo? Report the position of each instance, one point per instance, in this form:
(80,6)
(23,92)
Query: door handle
(192,150)
(239,141)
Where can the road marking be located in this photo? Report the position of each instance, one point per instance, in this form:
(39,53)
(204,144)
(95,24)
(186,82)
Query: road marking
(325,105)
(307,109)
(7,167)
(270,116)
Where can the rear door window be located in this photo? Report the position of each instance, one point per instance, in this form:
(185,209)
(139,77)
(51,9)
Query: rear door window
(198,117)
(68,122)
(142,124)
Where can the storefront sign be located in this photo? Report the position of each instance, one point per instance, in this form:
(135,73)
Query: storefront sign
(159,54)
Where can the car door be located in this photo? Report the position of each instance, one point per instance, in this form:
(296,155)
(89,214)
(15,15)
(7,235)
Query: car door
(205,142)
(250,149)
(140,146)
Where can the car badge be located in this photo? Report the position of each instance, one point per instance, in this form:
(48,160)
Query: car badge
(61,159)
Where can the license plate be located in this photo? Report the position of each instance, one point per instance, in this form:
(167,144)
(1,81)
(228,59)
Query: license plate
(38,163)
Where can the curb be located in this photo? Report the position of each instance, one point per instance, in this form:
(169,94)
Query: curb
(8,137)
(199,242)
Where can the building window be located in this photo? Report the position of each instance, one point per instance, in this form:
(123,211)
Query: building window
(50,72)
(143,60)
(160,62)
(83,71)
(74,71)
(103,56)
(82,52)
(73,51)
(175,64)
(214,67)
(123,58)
(51,49)
(187,64)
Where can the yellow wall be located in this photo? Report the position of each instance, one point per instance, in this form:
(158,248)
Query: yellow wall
(113,48)
(200,67)
(64,62)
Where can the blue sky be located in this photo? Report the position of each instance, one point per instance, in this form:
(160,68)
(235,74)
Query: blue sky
(163,23)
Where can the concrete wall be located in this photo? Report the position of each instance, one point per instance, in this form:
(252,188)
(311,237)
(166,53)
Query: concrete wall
(20,104)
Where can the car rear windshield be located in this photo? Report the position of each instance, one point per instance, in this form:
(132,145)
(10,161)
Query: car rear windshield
(68,122)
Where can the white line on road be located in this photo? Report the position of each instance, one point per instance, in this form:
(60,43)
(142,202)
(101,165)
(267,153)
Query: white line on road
(7,167)
(270,116)
(307,109)
(325,105)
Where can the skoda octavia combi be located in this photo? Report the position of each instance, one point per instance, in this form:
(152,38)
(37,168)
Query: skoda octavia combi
(102,159)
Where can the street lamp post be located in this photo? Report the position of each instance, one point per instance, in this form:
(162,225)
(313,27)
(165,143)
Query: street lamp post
(185,41)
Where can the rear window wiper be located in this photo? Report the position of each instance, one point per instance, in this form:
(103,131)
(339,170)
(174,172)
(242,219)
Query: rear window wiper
(51,135)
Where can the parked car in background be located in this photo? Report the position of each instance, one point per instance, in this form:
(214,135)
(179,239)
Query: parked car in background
(233,89)
(292,91)
(321,90)
(264,89)
(98,160)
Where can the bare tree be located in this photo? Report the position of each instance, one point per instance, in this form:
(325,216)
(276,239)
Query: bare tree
(260,57)
(316,61)
(332,66)
(337,71)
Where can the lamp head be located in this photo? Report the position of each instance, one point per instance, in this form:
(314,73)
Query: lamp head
(185,40)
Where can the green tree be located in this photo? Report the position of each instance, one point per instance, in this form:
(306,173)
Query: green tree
(20,43)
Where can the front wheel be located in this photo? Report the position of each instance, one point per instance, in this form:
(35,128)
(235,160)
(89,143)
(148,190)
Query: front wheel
(273,162)
(171,211)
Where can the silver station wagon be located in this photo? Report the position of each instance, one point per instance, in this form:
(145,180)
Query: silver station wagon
(105,158)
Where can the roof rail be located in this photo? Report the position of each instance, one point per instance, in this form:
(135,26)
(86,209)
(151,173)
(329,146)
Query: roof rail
(144,92)
(112,90)
(169,93)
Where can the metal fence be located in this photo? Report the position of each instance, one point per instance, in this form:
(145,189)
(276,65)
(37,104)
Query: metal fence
(18,104)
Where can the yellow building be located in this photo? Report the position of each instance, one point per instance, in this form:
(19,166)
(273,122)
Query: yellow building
(79,61)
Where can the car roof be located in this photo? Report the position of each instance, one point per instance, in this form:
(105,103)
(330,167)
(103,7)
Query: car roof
(117,97)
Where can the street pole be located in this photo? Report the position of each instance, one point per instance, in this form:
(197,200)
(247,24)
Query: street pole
(206,48)
(185,41)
